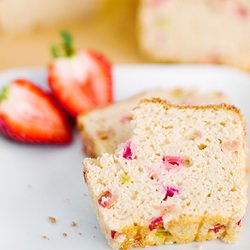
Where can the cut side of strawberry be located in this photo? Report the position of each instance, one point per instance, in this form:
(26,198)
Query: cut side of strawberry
(29,114)
(80,81)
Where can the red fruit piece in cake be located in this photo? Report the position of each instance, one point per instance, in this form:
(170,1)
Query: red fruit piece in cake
(170,192)
(216,228)
(242,12)
(118,236)
(29,114)
(80,80)
(239,223)
(128,151)
(171,162)
(113,233)
(156,223)
(107,199)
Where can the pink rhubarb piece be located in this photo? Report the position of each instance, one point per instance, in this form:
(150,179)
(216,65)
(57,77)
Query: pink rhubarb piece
(106,199)
(113,234)
(170,192)
(156,223)
(217,228)
(128,153)
(242,12)
(239,223)
(172,162)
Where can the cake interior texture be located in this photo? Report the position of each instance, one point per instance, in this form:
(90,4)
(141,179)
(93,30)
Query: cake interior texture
(196,31)
(180,177)
(103,129)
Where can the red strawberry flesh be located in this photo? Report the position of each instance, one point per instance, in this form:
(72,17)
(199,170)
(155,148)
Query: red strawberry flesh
(30,115)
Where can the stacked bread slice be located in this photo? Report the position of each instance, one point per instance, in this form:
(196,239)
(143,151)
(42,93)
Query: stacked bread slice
(103,129)
(180,177)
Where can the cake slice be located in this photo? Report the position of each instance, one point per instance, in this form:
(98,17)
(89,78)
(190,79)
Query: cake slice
(180,177)
(196,31)
(103,129)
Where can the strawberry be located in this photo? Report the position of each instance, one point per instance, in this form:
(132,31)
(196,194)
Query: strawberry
(28,114)
(81,80)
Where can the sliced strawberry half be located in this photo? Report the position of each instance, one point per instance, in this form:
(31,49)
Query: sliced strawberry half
(28,114)
(80,81)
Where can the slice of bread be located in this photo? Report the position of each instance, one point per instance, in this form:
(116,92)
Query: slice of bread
(180,177)
(196,31)
(103,129)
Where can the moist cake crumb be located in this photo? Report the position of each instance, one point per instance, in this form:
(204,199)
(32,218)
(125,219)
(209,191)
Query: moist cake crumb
(167,199)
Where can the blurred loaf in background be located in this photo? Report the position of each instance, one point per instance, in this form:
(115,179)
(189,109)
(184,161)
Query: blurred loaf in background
(128,31)
(18,16)
(196,31)
(29,27)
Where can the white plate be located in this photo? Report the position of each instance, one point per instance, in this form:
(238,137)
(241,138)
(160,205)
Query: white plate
(41,181)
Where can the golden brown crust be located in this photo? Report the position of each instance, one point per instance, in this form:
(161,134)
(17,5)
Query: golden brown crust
(181,231)
(224,106)
(168,105)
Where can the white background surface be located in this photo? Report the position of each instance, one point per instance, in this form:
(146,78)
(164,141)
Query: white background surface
(41,181)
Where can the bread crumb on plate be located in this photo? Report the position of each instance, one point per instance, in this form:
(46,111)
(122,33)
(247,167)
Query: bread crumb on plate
(52,219)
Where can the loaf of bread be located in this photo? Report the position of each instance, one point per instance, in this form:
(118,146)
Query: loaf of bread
(180,177)
(196,31)
(103,129)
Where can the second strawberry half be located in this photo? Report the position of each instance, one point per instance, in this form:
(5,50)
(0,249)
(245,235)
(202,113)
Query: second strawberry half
(80,80)
(29,114)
